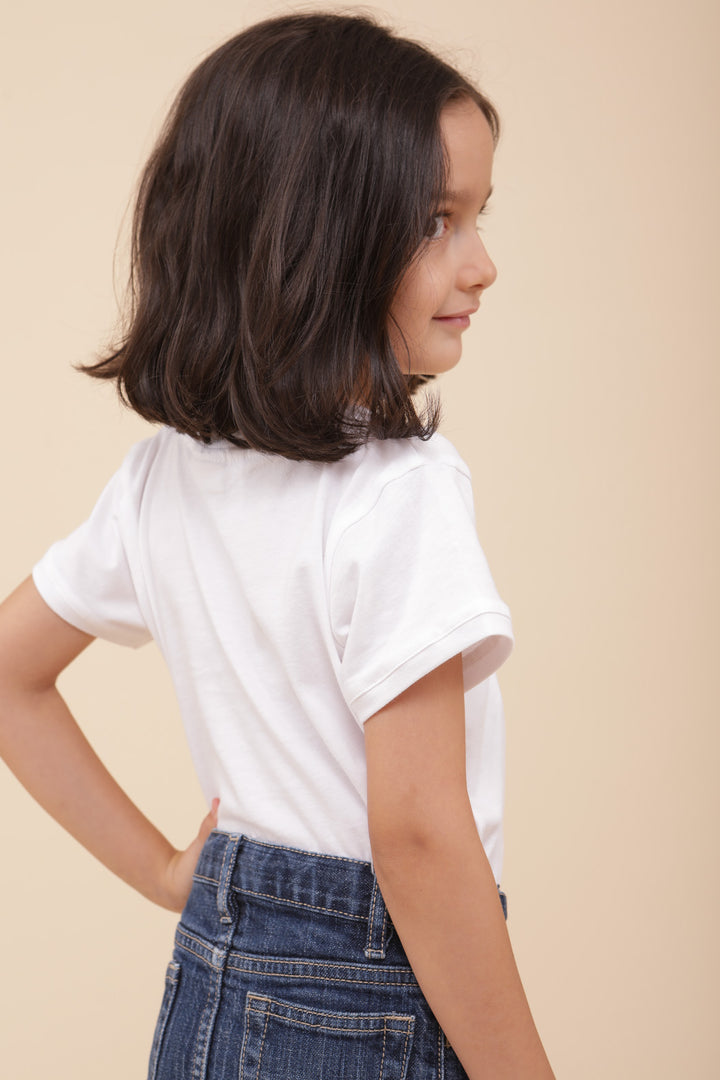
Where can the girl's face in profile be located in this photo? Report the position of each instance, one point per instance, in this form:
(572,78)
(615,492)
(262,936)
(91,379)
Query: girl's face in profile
(442,288)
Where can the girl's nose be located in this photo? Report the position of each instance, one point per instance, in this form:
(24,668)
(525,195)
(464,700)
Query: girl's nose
(479,271)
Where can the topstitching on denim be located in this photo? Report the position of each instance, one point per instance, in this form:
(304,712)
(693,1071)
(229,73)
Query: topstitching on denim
(287,967)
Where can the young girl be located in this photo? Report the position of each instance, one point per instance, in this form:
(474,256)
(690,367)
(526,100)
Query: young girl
(300,543)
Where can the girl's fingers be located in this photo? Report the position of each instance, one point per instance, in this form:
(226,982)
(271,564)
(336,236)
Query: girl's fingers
(209,822)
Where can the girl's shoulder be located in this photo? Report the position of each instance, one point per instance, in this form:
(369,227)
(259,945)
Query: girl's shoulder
(400,464)
(399,485)
(168,449)
(142,456)
(403,455)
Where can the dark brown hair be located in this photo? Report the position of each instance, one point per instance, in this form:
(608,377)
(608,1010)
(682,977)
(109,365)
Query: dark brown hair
(290,189)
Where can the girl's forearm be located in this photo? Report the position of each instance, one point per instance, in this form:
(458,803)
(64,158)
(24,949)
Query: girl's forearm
(51,757)
(47,751)
(443,900)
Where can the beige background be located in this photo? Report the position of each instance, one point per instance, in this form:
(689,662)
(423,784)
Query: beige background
(586,405)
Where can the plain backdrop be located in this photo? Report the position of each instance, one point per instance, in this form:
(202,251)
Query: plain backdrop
(587,407)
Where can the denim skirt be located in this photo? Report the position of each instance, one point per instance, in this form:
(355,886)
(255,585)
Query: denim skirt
(286,967)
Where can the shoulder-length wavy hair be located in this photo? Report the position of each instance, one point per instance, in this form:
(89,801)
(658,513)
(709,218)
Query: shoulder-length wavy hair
(290,189)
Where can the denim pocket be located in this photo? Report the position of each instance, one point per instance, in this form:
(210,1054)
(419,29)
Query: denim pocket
(172,979)
(282,1040)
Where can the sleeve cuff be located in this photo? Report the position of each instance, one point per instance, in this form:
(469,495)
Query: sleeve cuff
(485,641)
(57,599)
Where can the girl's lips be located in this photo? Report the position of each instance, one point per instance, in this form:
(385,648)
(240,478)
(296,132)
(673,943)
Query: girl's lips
(460,319)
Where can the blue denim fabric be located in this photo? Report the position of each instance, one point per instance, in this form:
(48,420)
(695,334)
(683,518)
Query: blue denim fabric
(286,967)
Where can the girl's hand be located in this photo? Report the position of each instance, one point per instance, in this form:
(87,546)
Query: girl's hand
(180,869)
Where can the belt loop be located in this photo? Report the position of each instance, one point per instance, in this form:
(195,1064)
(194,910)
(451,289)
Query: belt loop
(224,885)
(377,925)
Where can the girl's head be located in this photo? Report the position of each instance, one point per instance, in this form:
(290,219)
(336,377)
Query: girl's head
(301,175)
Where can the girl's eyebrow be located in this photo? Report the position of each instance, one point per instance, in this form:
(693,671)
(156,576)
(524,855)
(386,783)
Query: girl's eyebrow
(466,196)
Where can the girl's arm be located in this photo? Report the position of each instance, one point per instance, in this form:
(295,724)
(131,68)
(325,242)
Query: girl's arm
(437,882)
(44,747)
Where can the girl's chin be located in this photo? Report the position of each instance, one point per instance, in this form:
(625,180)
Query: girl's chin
(436,365)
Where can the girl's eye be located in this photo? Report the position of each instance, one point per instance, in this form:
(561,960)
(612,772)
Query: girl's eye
(437,226)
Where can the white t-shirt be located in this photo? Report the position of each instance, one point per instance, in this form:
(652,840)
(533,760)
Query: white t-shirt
(291,601)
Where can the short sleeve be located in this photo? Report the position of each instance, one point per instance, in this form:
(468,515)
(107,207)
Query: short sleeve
(89,578)
(410,588)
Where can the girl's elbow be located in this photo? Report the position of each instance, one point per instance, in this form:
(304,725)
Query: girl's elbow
(419,829)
